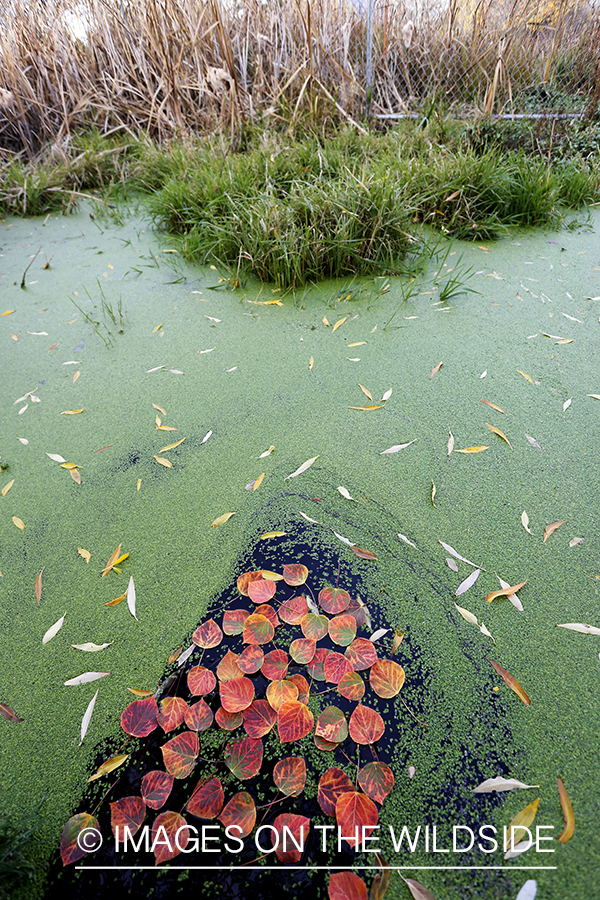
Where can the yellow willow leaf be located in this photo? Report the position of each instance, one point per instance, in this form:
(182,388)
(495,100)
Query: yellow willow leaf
(499,433)
(7,313)
(38,587)
(171,446)
(433,493)
(222,519)
(472,449)
(524,374)
(519,823)
(366,392)
(109,766)
(164,462)
(138,693)
(398,638)
(493,405)
(325,321)
(111,561)
(157,420)
(75,476)
(71,412)
(567,832)
(338,324)
(271,534)
(159,408)
(467,616)
(166,428)
(365,408)
(156,328)
(512,683)
(120,559)
(85,554)
(76,376)
(139,484)
(505,591)
(550,529)
(258,482)
(18,522)
(357,344)
(6,488)
(117,600)
(311,363)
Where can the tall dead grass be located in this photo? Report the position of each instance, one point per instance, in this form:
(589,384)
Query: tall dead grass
(163,67)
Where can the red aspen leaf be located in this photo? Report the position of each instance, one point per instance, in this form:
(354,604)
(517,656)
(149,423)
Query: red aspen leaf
(243,757)
(323,745)
(512,682)
(362,654)
(293,833)
(295,574)
(353,811)
(228,721)
(366,725)
(569,829)
(199,716)
(342,630)
(386,678)
(377,780)
(228,667)
(207,800)
(246,579)
(156,788)
(550,529)
(233,620)
(315,667)
(9,713)
(269,613)
(172,713)
(293,611)
(275,665)
(351,686)
(70,850)
(139,719)
(332,784)
(363,554)
(332,725)
(302,650)
(280,692)
(261,590)
(237,694)
(241,812)
(259,718)
(208,635)
(302,685)
(314,627)
(336,665)
(129,812)
(294,721)
(201,681)
(359,610)
(333,600)
(170,836)
(289,775)
(258,630)
(251,659)
(179,754)
(347,886)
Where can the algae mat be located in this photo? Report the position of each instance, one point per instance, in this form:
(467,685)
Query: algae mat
(158,344)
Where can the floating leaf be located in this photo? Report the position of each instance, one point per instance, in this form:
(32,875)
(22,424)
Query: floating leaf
(259,718)
(53,630)
(388,393)
(363,554)
(450,442)
(567,404)
(377,780)
(406,541)
(355,811)
(519,823)
(207,800)
(301,684)
(7,488)
(336,665)
(386,678)
(530,380)
(347,886)
(332,785)
(293,611)
(362,654)
(262,590)
(342,630)
(504,592)
(233,621)
(85,722)
(170,447)
(220,520)
(180,753)
(208,635)
(525,522)
(294,721)
(314,627)
(236,694)
(109,766)
(576,540)
(499,433)
(129,812)
(85,678)
(550,529)
(139,693)
(365,408)
(170,836)
(453,552)
(266,453)
(512,598)
(228,721)
(85,554)
(345,493)
(289,775)
(433,493)
(111,561)
(239,813)
(436,369)
(244,580)
(302,650)
(71,412)
(397,447)
(333,600)
(501,784)
(477,449)
(332,725)
(338,324)
(80,836)
(467,583)
(366,725)
(512,683)
(417,890)
(75,475)
(243,757)
(567,832)
(533,441)
(275,665)
(306,465)
(130,594)
(172,713)
(198,716)
(351,686)
(139,719)
(366,392)
(493,406)
(18,522)
(201,681)
(251,659)
(292,831)
(315,666)
(280,692)
(9,713)
(467,616)
(528,891)
(580,627)
(258,630)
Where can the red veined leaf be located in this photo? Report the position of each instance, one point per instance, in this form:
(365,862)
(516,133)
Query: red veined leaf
(237,694)
(315,668)
(269,613)
(246,579)
(342,630)
(332,784)
(201,681)
(258,630)
(293,833)
(336,665)
(240,812)
(251,659)
(362,654)
(199,716)
(353,811)
(228,667)
(323,745)
(363,554)
(332,725)
(295,574)
(208,635)
(366,725)
(275,665)
(170,836)
(243,757)
(302,650)
(207,800)
(233,620)
(314,627)
(261,590)
(179,754)
(228,721)
(70,850)
(302,685)
(289,775)
(347,886)
(333,600)
(172,713)
(156,788)
(259,718)
(280,692)
(294,721)
(139,719)
(357,609)
(377,780)
(386,678)
(129,812)
(293,611)
(351,686)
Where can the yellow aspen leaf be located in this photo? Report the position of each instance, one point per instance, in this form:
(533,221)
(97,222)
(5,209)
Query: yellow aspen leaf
(271,576)
(472,449)
(38,587)
(138,693)
(512,682)
(271,534)
(165,428)
(76,376)
(109,766)
(18,522)
(220,520)
(365,408)
(7,488)
(311,363)
(550,529)
(524,374)
(366,392)
(71,412)
(117,600)
(139,484)
(505,591)
(357,344)
(75,475)
(338,324)
(111,560)
(171,446)
(523,819)
(258,482)
(567,832)
(159,408)
(85,554)
(164,462)
(499,433)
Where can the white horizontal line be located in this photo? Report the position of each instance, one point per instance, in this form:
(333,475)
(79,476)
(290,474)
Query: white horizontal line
(304,868)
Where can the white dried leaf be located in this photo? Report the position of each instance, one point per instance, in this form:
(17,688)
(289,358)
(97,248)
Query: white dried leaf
(483,374)
(512,597)
(308,518)
(343,539)
(377,635)
(345,493)
(518,849)
(183,657)
(386,396)
(451,564)
(155,369)
(175,371)
(312,606)
(580,627)
(453,552)
(85,722)
(85,678)
(484,630)
(396,448)
(576,540)
(90,647)
(24,441)
(467,616)
(406,540)
(467,583)
(55,457)
(206,437)
(131,597)
(525,522)
(53,630)
(533,441)
(528,891)
(450,442)
(501,784)
(567,404)
(305,465)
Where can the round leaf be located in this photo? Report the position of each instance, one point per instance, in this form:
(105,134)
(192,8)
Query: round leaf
(362,654)
(228,667)
(347,886)
(366,725)
(332,725)
(128,812)
(302,650)
(293,833)
(156,788)
(233,620)
(315,668)
(208,635)
(251,659)
(199,716)
(314,627)
(258,630)
(241,812)
(259,718)
(302,685)
(139,719)
(289,775)
(334,600)
(237,694)
(351,686)
(323,745)
(377,780)
(201,681)
(355,810)
(165,836)
(295,574)
(172,713)
(228,721)
(336,665)
(342,630)
(262,590)
(293,611)
(294,721)
(179,754)
(207,800)
(386,678)
(243,757)
(279,692)
(332,785)
(246,579)
(70,850)
(275,665)
(269,612)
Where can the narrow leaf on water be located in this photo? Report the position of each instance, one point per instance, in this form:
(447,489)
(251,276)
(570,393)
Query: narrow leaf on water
(7,488)
(525,522)
(220,520)
(453,552)
(112,560)
(305,465)
(364,409)
(501,784)
(436,369)
(550,529)
(85,722)
(53,630)
(38,589)
(477,449)
(131,597)
(18,522)
(366,392)
(467,583)
(499,433)
(467,616)
(512,683)
(338,324)
(493,406)
(504,592)
(567,832)
(450,442)
(581,627)
(85,678)
(90,647)
(396,447)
